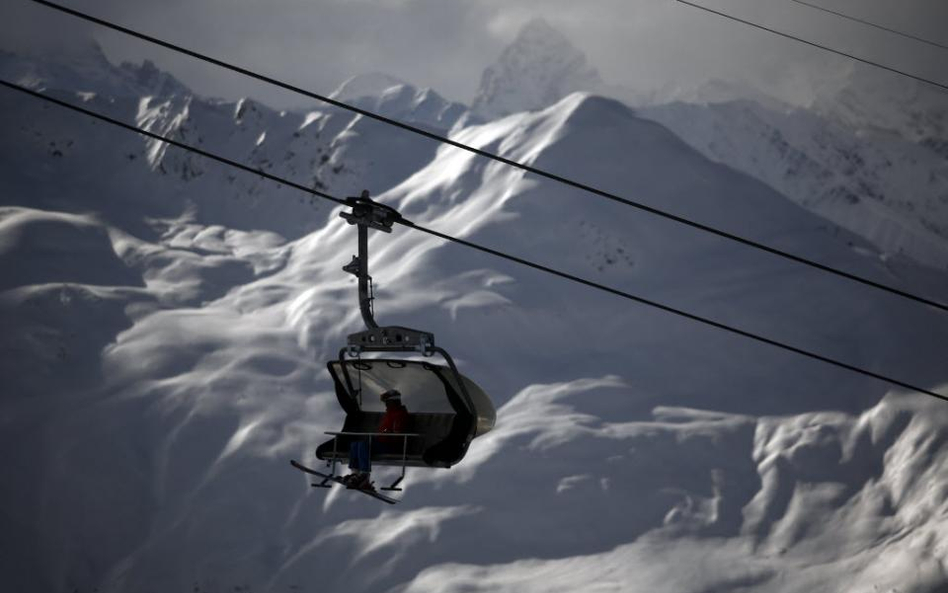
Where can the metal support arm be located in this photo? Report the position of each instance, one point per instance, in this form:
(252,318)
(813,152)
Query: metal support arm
(365,214)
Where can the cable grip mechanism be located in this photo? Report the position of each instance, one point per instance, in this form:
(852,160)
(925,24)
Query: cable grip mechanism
(367,214)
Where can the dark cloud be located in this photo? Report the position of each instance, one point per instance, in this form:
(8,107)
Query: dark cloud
(315,44)
(446,44)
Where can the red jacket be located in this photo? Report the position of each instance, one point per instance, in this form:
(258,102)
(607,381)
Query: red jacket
(394,420)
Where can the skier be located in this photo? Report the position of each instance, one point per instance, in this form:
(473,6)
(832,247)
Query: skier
(395,420)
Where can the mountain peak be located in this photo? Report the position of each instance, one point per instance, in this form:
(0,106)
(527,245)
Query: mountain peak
(392,97)
(373,84)
(148,78)
(538,30)
(540,67)
(83,66)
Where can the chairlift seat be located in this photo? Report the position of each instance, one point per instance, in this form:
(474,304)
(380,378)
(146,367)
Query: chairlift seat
(437,411)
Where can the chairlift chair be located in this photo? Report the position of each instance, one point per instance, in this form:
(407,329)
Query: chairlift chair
(446,409)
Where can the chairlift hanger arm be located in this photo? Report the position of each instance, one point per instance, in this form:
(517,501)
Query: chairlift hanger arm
(367,214)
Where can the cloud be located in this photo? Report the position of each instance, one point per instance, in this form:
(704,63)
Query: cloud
(643,44)
(30,27)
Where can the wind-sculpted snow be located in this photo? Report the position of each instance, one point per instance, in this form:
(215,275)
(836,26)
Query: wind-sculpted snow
(167,320)
(40,247)
(840,502)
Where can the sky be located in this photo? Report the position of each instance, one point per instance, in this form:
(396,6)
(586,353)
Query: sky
(640,44)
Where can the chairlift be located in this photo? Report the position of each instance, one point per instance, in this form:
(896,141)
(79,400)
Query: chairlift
(446,409)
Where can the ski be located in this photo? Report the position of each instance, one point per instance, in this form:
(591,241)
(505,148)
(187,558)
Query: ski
(338,480)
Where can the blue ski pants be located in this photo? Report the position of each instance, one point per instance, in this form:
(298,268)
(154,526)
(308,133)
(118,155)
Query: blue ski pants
(360,456)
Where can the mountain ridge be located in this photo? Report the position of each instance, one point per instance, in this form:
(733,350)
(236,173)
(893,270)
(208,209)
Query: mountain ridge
(874,161)
(154,408)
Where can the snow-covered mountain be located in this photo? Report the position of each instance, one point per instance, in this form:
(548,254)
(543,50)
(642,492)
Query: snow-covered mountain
(399,100)
(887,189)
(537,69)
(325,148)
(868,156)
(166,321)
(863,99)
(85,68)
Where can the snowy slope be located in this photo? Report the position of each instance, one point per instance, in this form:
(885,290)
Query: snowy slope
(810,521)
(869,156)
(394,98)
(863,100)
(887,189)
(324,148)
(87,69)
(166,339)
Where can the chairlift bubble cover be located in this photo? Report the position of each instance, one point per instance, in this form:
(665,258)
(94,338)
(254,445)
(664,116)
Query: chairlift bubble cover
(437,407)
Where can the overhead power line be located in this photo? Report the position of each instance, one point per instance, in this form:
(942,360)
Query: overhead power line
(871,24)
(483,248)
(801,40)
(498,158)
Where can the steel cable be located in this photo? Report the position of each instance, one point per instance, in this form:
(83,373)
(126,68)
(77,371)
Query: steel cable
(871,24)
(483,248)
(804,41)
(483,153)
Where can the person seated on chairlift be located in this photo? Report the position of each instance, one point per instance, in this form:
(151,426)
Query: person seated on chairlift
(395,420)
